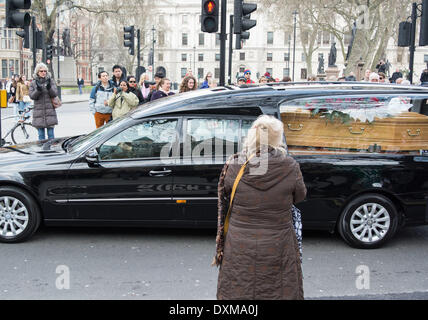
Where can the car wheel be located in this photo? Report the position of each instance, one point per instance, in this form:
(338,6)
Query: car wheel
(19,215)
(368,221)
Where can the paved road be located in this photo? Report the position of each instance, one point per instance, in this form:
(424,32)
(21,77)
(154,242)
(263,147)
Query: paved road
(175,264)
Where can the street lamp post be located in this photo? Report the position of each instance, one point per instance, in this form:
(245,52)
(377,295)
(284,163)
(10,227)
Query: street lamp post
(153,52)
(294,41)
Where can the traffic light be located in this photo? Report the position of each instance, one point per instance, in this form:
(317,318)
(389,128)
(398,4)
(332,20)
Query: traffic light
(49,52)
(129,39)
(423,35)
(209,17)
(404,34)
(26,36)
(241,18)
(16,18)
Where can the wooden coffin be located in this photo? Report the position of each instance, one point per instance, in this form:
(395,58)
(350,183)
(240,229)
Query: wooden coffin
(407,131)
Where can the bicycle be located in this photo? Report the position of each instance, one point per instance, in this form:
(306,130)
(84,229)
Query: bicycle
(22,131)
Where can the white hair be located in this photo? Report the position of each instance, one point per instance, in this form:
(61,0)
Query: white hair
(373,75)
(39,66)
(405,82)
(265,131)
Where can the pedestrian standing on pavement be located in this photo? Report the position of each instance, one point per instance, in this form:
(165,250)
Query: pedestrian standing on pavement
(118,75)
(42,91)
(257,248)
(247,75)
(80,84)
(163,89)
(397,74)
(122,101)
(188,84)
(424,77)
(207,78)
(8,84)
(23,93)
(135,89)
(99,97)
(145,86)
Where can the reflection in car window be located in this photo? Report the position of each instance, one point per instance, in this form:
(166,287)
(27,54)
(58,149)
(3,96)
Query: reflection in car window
(80,143)
(149,139)
(363,123)
(209,137)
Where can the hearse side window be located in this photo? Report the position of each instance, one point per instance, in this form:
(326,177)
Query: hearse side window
(211,137)
(149,139)
(390,123)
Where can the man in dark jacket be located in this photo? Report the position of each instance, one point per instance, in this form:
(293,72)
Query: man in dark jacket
(80,84)
(118,75)
(424,77)
(381,67)
(396,75)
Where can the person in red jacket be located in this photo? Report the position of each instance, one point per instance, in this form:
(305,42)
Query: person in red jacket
(247,75)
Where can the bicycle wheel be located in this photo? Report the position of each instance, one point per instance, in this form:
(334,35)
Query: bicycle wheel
(24,132)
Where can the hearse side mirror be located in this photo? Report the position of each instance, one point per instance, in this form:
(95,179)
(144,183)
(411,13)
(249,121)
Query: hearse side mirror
(92,158)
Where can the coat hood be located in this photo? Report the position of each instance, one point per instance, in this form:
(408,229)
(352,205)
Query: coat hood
(265,171)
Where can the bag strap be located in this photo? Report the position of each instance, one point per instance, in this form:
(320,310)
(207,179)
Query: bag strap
(235,185)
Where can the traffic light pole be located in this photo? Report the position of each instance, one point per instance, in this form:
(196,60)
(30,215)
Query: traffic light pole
(223,37)
(412,41)
(230,48)
(34,47)
(138,50)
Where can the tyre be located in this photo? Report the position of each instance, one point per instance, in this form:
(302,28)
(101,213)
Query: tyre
(24,132)
(19,215)
(368,221)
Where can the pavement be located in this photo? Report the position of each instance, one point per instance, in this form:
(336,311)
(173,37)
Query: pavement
(75,98)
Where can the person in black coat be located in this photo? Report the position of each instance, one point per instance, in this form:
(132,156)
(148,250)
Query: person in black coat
(133,87)
(424,76)
(396,75)
(381,67)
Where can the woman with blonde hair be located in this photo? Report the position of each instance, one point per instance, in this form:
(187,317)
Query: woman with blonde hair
(257,248)
(42,91)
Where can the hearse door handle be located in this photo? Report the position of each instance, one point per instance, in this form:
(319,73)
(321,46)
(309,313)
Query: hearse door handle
(162,173)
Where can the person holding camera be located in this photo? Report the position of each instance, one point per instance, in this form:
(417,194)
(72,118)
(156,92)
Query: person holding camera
(133,87)
(122,101)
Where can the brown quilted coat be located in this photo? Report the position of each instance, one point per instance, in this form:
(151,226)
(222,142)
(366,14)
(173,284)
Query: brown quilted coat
(260,256)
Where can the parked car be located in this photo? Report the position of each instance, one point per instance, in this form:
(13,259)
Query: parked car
(362,149)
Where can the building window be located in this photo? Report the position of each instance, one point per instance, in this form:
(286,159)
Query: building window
(184,57)
(269,56)
(161,38)
(270,70)
(303,57)
(287,38)
(200,73)
(270,37)
(160,56)
(286,72)
(286,57)
(200,57)
(183,72)
(201,39)
(184,19)
(217,57)
(161,19)
(326,38)
(241,69)
(184,39)
(217,73)
(242,56)
(4,68)
(217,39)
(303,73)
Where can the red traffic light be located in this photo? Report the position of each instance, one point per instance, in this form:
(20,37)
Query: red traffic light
(210,7)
